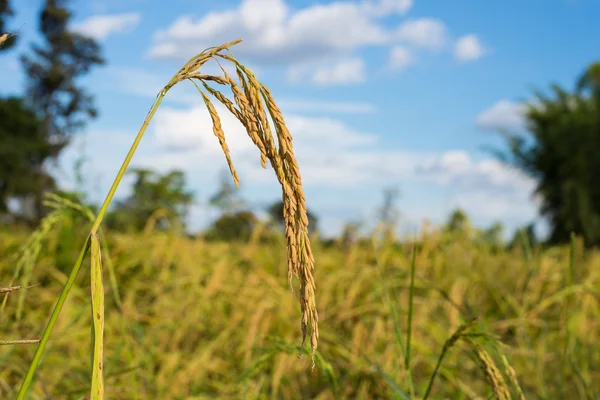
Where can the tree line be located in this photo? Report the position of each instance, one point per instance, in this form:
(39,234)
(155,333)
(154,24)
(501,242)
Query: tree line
(559,148)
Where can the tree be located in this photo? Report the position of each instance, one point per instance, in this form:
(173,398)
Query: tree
(52,71)
(560,152)
(163,197)
(10,39)
(238,225)
(236,221)
(24,147)
(458,222)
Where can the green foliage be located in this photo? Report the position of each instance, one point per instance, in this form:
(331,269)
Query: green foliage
(233,226)
(560,152)
(458,222)
(162,197)
(493,235)
(52,71)
(25,148)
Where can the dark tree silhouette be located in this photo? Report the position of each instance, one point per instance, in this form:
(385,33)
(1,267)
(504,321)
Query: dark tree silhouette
(23,145)
(52,71)
(561,153)
(237,225)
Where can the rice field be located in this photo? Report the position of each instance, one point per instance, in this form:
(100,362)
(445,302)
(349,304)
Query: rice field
(190,319)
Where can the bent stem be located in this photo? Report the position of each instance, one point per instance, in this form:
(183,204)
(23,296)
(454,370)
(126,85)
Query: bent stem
(69,284)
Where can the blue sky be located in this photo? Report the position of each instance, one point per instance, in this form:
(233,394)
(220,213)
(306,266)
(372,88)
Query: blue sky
(377,93)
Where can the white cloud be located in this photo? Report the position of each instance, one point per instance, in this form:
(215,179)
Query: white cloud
(190,129)
(343,72)
(468,48)
(329,133)
(273,34)
(400,58)
(503,115)
(276,34)
(386,7)
(458,169)
(423,32)
(101,26)
(512,208)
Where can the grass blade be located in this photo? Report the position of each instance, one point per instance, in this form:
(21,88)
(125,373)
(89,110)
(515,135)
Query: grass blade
(410,313)
(391,383)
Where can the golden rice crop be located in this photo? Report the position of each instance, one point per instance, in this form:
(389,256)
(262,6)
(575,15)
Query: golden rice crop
(214,320)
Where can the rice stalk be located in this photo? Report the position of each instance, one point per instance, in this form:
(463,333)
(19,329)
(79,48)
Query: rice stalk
(22,341)
(10,289)
(283,161)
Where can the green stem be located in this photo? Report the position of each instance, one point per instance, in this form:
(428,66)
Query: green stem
(65,291)
(411,298)
(435,371)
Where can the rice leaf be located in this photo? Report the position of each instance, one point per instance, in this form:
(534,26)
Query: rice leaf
(97,389)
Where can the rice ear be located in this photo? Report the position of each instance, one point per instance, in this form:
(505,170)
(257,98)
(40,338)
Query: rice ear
(251,103)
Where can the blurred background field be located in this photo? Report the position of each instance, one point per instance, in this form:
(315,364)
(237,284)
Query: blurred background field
(206,319)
